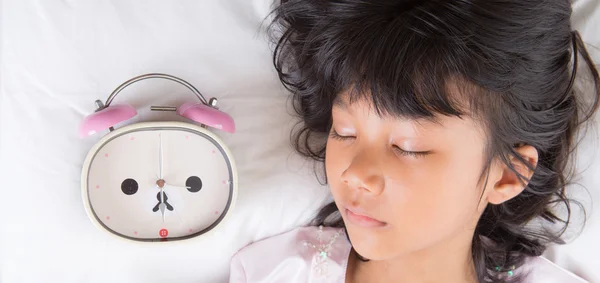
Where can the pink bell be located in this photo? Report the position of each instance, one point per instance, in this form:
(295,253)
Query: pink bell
(207,115)
(106,118)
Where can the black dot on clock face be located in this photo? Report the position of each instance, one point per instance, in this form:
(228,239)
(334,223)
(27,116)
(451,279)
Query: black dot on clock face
(129,187)
(194,184)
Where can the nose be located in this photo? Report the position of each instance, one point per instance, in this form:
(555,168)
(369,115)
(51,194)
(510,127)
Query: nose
(364,173)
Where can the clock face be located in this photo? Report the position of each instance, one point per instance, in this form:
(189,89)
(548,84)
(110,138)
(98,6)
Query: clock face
(159,183)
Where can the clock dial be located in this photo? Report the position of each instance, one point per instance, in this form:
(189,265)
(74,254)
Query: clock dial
(156,183)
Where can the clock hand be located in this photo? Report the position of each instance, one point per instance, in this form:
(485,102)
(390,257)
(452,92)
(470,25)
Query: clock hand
(162,196)
(179,217)
(161,182)
(178,187)
(160,158)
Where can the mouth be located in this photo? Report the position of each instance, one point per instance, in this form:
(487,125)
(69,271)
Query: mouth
(360,218)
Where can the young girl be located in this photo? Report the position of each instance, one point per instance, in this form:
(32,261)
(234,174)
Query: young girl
(446,128)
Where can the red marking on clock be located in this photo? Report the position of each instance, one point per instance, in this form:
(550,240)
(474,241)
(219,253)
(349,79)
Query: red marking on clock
(97,186)
(216,212)
(191,230)
(132,138)
(163,233)
(187,137)
(135,233)
(107,217)
(106,155)
(214,152)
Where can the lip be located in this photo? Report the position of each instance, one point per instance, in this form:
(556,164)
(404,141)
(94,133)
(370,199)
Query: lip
(360,218)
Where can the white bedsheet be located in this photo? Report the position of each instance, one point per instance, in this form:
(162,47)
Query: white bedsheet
(57,57)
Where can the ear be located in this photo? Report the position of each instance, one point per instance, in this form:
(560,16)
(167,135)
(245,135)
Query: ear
(508,185)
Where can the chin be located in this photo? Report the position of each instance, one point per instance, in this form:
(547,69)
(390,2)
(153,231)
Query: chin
(372,245)
(373,252)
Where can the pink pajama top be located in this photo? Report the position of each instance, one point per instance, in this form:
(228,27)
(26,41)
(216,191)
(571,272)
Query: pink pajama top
(319,255)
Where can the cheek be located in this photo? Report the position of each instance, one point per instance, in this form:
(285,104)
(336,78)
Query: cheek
(437,198)
(431,202)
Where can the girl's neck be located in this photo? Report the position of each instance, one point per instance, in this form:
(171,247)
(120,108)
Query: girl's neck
(446,262)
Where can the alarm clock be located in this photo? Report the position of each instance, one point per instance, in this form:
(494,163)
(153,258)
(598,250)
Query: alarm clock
(158,181)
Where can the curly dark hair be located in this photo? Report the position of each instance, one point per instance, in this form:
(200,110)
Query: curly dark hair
(518,59)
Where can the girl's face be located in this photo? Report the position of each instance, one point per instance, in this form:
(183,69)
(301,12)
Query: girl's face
(404,185)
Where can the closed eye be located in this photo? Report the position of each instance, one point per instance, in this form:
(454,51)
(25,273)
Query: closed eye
(397,149)
(337,136)
(415,154)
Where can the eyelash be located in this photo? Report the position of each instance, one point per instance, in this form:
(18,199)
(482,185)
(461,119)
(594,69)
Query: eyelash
(415,154)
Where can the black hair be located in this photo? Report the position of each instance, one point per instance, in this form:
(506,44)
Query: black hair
(515,59)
